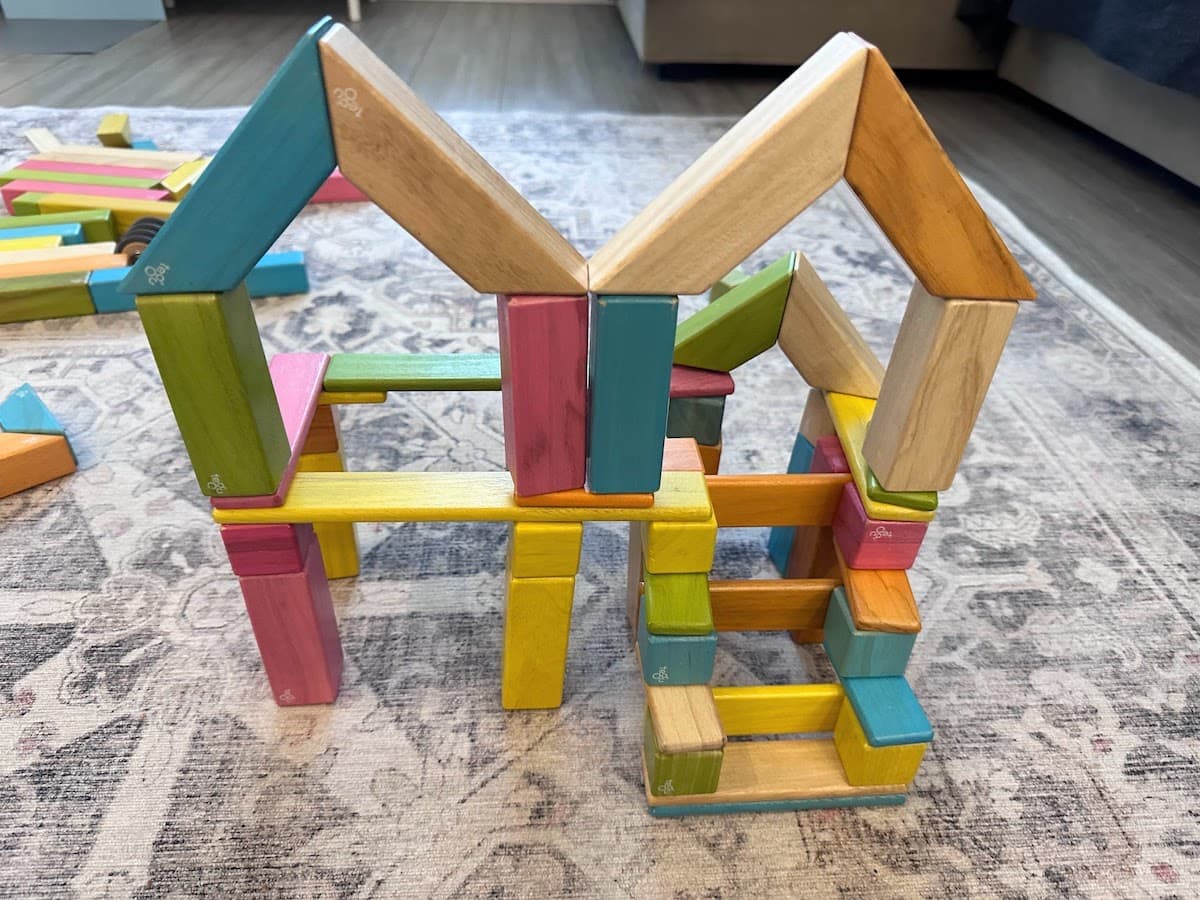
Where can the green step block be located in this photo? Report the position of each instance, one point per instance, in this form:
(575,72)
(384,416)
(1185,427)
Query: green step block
(677,604)
(669,774)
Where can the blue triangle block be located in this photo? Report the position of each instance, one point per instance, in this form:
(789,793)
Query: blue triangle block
(24,412)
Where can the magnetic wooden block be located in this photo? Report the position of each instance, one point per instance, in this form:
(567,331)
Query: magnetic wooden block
(867,543)
(684,718)
(630,377)
(37,242)
(696,417)
(339,398)
(67,233)
(741,501)
(296,630)
(44,297)
(337,188)
(677,603)
(675,658)
(114,130)
(125,210)
(42,138)
(323,434)
(543,364)
(770,605)
(815,421)
(35,173)
(941,366)
(727,283)
(807,635)
(687,772)
(672,547)
(856,653)
(296,381)
(27,460)
(213,368)
(584,499)
(537,623)
(682,455)
(711,456)
(814,554)
(778,708)
(60,265)
(545,549)
(850,417)
(455,497)
(828,456)
(267,549)
(821,341)
(74,252)
(413,372)
(906,181)
(23,411)
(59,197)
(687,381)
(181,180)
(779,542)
(634,570)
(339,545)
(759,176)
(96,224)
(419,171)
(275,159)
(116,156)
(143,144)
(740,325)
(888,711)
(96,170)
(868,766)
(880,599)
(688,806)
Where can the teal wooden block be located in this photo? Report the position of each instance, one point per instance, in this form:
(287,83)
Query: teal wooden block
(696,417)
(24,412)
(779,542)
(70,232)
(276,158)
(862,654)
(142,144)
(888,711)
(630,382)
(675,659)
(676,811)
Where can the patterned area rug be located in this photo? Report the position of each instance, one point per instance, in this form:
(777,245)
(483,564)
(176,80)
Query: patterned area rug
(142,755)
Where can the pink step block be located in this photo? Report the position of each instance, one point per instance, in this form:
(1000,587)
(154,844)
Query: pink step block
(543,377)
(690,382)
(870,543)
(828,458)
(267,549)
(50,165)
(15,189)
(296,629)
(338,189)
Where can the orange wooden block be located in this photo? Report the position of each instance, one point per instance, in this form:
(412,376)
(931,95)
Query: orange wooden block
(27,460)
(769,605)
(809,635)
(756,500)
(682,455)
(68,264)
(585,499)
(813,554)
(710,455)
(880,599)
(323,434)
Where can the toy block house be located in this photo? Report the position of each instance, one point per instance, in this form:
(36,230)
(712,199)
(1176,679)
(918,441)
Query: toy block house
(612,409)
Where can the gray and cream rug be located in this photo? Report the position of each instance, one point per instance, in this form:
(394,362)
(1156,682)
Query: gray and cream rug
(141,755)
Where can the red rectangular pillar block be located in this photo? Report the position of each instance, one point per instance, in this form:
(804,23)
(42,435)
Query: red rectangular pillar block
(543,377)
(870,543)
(828,458)
(267,549)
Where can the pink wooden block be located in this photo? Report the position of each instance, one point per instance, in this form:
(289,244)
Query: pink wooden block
(543,376)
(15,189)
(870,543)
(689,382)
(338,189)
(297,378)
(297,634)
(50,165)
(267,549)
(828,458)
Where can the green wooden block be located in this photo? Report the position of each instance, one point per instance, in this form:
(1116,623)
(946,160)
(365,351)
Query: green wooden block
(677,604)
(215,373)
(27,204)
(740,324)
(45,297)
(728,283)
(20,174)
(696,772)
(696,417)
(97,224)
(923,500)
(413,372)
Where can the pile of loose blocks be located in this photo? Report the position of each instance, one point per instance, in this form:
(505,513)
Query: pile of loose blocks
(612,411)
(33,444)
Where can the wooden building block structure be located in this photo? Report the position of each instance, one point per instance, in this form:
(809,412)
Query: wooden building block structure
(595,373)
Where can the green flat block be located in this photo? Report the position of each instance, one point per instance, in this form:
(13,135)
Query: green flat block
(923,500)
(727,284)
(413,372)
(97,224)
(215,373)
(696,772)
(28,204)
(758,806)
(677,604)
(740,324)
(696,417)
(20,174)
(45,297)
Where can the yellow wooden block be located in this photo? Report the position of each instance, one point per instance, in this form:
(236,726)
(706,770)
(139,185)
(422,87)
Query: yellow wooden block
(180,181)
(684,718)
(125,211)
(545,549)
(778,708)
(115,130)
(537,622)
(338,543)
(867,765)
(40,242)
(674,547)
(337,398)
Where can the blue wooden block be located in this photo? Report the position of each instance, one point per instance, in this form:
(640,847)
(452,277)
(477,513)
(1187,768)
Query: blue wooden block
(24,412)
(276,158)
(70,232)
(862,654)
(888,711)
(633,339)
(673,659)
(675,811)
(143,144)
(779,543)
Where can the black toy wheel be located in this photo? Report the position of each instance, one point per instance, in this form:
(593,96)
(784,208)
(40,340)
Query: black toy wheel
(138,236)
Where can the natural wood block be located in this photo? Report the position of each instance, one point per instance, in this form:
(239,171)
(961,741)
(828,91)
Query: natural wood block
(63,265)
(156,173)
(684,718)
(125,211)
(42,138)
(97,224)
(115,131)
(339,545)
(67,233)
(778,708)
(868,543)
(581,498)
(821,341)
(44,297)
(40,254)
(687,381)
(413,372)
(27,460)
(906,181)
(677,603)
(38,242)
(402,155)
(115,156)
(682,455)
(941,366)
(671,547)
(267,549)
(545,549)
(815,421)
(710,454)
(759,176)
(770,605)
(856,653)
(756,500)
(865,765)
(537,623)
(675,659)
(323,433)
(543,363)
(687,772)
(880,599)
(97,175)
(696,417)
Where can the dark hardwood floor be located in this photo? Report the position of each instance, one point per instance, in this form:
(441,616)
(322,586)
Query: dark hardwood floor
(1121,223)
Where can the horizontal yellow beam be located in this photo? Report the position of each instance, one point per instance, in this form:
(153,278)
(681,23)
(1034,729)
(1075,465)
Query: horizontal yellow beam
(778,708)
(336,398)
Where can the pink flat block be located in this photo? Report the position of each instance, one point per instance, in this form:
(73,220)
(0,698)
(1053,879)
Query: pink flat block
(297,634)
(49,165)
(868,543)
(267,549)
(828,458)
(297,378)
(687,381)
(15,189)
(338,189)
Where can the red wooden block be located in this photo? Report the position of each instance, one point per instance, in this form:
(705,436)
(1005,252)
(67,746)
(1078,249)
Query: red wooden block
(15,189)
(267,549)
(687,381)
(337,189)
(870,543)
(52,165)
(543,377)
(296,629)
(828,458)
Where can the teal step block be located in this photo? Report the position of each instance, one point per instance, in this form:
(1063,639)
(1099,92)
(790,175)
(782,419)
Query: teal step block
(675,659)
(862,654)
(70,232)
(675,811)
(276,158)
(696,417)
(779,543)
(888,711)
(633,339)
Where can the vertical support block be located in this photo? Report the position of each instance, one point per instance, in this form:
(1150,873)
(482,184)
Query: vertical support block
(296,629)
(696,417)
(545,549)
(779,543)
(267,549)
(339,546)
(543,377)
(633,339)
(671,547)
(675,659)
(865,764)
(537,623)
(686,772)
(633,578)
